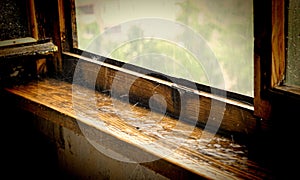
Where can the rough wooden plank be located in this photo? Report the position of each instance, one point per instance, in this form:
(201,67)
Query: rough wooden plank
(220,158)
(29,50)
(19,41)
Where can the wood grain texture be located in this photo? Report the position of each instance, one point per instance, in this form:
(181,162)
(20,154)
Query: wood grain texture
(19,41)
(72,106)
(262,105)
(262,58)
(33,20)
(278,42)
(188,104)
(39,49)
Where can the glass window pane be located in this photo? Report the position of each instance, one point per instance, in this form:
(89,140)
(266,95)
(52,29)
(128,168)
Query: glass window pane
(13,20)
(185,39)
(293,44)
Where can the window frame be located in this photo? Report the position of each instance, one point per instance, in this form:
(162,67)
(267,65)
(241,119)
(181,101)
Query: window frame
(31,53)
(279,41)
(32,27)
(74,49)
(37,43)
(271,66)
(259,107)
(240,118)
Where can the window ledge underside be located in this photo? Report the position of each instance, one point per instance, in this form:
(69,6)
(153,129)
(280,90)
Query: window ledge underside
(166,138)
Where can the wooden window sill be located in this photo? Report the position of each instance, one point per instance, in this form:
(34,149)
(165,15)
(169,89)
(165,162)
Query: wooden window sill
(287,91)
(221,158)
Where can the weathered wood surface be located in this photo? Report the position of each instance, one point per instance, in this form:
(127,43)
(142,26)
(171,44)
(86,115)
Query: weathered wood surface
(19,41)
(237,117)
(33,21)
(290,91)
(262,57)
(43,49)
(278,43)
(75,107)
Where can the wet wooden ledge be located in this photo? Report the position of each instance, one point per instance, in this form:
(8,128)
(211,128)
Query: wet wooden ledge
(26,48)
(143,135)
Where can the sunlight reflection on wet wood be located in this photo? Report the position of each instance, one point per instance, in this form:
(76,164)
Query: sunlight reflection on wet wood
(152,132)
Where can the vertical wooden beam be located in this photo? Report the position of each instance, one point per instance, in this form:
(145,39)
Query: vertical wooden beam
(262,57)
(278,42)
(33,20)
(62,22)
(73,24)
(67,24)
(269,71)
(56,62)
(262,106)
